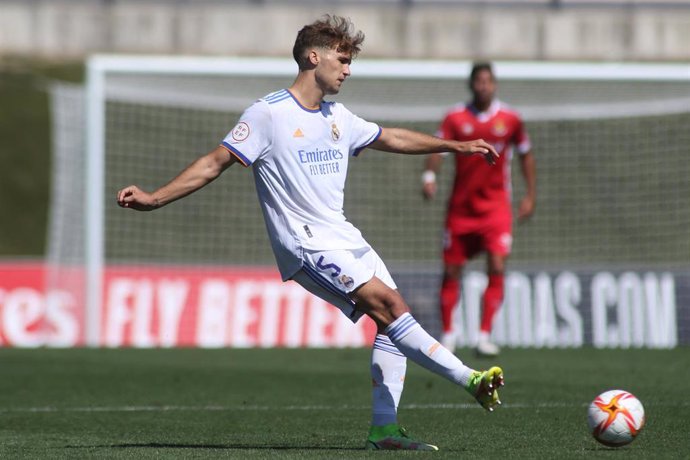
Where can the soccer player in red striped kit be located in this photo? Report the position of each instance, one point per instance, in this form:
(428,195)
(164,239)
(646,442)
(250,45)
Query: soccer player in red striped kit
(479,215)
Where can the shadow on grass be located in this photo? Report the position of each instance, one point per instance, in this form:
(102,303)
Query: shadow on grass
(156,445)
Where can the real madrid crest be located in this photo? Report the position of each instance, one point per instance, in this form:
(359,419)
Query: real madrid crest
(335,132)
(346,281)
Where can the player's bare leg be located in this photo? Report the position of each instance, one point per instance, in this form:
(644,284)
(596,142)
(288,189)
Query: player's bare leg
(388,309)
(390,312)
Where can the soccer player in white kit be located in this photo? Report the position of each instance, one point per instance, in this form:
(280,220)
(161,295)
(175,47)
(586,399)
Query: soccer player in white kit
(298,146)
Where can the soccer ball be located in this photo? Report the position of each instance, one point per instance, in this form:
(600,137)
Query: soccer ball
(615,418)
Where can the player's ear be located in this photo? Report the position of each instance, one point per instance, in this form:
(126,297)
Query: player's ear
(313,57)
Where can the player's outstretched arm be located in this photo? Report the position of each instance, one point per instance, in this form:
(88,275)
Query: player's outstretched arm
(399,140)
(203,171)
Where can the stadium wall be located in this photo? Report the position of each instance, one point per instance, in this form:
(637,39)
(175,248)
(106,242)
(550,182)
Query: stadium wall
(533,30)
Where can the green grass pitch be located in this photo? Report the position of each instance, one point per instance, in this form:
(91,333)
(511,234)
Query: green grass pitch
(191,403)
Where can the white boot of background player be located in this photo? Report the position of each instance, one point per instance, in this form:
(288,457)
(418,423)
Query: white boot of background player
(485,347)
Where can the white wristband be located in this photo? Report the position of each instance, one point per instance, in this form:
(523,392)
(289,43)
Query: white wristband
(428,177)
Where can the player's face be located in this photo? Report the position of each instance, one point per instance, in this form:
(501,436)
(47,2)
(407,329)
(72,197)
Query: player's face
(332,69)
(484,87)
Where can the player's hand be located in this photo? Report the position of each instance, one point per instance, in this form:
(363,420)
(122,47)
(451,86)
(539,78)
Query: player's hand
(429,186)
(135,198)
(429,190)
(526,208)
(481,147)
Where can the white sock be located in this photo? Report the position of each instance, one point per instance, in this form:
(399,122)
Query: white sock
(415,343)
(388,367)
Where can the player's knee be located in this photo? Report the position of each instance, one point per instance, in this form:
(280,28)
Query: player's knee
(394,304)
(452,271)
(389,305)
(381,303)
(497,266)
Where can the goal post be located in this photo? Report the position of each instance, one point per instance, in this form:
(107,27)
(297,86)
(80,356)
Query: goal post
(94,199)
(160,105)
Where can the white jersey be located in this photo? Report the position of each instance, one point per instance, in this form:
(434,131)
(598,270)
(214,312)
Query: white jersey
(299,158)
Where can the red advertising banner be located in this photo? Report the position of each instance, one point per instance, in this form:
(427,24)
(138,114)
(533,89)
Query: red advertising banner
(32,317)
(175,306)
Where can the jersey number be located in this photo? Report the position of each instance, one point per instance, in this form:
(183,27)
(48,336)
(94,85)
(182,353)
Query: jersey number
(322,266)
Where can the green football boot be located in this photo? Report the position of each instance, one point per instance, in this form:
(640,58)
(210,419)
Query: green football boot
(394,437)
(483,385)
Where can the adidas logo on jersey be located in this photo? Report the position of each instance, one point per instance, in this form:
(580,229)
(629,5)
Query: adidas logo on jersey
(298,133)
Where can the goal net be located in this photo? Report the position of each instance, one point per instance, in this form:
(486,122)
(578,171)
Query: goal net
(603,261)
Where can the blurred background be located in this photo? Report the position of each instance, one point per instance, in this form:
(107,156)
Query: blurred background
(609,239)
(647,30)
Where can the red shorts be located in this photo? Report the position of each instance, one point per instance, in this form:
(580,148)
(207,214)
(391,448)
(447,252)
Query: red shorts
(491,235)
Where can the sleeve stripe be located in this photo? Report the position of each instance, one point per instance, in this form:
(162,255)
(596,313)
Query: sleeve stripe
(242,159)
(278,99)
(275,95)
(356,152)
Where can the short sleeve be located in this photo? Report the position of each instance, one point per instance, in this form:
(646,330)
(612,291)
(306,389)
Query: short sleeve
(364,133)
(252,136)
(521,139)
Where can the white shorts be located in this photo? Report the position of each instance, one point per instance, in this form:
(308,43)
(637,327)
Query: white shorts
(333,275)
